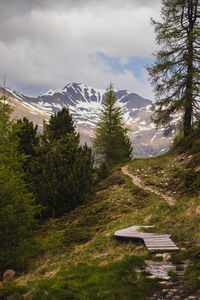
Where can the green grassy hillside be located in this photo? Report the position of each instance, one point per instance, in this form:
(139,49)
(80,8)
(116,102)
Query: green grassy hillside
(78,256)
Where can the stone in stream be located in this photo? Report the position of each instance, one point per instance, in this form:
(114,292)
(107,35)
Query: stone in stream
(160,269)
(166,257)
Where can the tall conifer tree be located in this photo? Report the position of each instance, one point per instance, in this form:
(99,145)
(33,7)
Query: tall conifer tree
(111,143)
(176,72)
(62,174)
(60,124)
(17,205)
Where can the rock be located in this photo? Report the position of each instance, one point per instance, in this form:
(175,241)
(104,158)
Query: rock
(9,274)
(182,157)
(174,290)
(198,209)
(165,291)
(30,294)
(188,212)
(147,219)
(170,283)
(101,255)
(159,255)
(103,264)
(166,257)
(14,296)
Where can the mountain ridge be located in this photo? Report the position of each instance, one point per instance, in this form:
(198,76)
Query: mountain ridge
(84,103)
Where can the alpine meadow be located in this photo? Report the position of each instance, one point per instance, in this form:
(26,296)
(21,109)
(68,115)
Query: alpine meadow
(100,188)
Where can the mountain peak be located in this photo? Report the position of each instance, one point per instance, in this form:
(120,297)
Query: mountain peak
(84,103)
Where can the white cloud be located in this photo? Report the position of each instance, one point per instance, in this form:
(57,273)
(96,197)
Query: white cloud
(45,45)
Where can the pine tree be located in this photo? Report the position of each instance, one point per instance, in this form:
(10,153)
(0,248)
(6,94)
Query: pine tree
(5,124)
(28,138)
(66,176)
(9,154)
(28,141)
(62,174)
(60,124)
(17,205)
(176,72)
(111,143)
(17,218)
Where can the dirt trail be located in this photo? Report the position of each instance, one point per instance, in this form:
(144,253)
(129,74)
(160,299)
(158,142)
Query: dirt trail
(138,182)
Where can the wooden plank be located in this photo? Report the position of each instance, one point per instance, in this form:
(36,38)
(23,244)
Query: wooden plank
(159,241)
(163,249)
(158,238)
(153,241)
(160,247)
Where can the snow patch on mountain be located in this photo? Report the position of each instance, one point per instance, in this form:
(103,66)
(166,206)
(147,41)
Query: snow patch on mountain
(53,92)
(15,94)
(85,102)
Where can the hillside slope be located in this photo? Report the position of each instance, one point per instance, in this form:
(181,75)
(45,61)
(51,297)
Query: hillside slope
(80,259)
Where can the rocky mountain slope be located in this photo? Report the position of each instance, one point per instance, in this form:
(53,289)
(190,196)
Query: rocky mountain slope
(84,103)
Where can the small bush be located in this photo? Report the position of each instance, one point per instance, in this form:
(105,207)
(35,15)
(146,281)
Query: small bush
(193,278)
(189,143)
(12,291)
(173,275)
(192,180)
(189,177)
(196,146)
(114,179)
(103,171)
(177,140)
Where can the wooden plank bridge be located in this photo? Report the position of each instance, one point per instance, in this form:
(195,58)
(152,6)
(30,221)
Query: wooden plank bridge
(153,241)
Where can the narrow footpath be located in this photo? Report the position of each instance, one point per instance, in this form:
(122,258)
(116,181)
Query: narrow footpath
(168,290)
(136,180)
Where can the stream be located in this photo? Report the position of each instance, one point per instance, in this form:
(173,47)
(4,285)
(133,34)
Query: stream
(168,289)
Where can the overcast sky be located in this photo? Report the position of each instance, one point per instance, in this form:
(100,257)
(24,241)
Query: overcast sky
(46,43)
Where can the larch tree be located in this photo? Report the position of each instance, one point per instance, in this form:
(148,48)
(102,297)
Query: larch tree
(176,71)
(111,143)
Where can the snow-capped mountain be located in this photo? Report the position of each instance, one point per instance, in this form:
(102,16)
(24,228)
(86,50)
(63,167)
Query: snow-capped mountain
(84,103)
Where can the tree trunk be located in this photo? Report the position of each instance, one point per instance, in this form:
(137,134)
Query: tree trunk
(188,105)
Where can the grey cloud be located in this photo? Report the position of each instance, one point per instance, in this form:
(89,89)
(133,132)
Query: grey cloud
(11,8)
(44,43)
